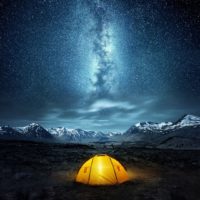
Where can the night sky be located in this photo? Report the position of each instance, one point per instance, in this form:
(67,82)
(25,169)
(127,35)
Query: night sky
(97,64)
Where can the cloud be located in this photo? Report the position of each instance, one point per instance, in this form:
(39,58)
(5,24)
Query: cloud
(107,104)
(103,114)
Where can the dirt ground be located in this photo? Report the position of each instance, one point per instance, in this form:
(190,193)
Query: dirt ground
(34,171)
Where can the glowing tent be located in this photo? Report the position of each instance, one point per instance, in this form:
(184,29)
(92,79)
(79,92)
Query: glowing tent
(102,170)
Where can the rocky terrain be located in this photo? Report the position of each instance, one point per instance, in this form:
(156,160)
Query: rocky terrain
(46,171)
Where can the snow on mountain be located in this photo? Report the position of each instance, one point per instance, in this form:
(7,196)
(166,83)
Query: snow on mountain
(111,134)
(185,121)
(32,131)
(76,135)
(152,126)
(36,131)
(7,131)
(184,133)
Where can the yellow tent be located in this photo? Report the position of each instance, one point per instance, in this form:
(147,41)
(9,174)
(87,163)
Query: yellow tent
(102,170)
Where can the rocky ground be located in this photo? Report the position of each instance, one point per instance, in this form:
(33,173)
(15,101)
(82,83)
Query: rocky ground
(32,171)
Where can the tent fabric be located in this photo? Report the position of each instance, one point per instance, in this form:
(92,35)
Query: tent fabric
(102,170)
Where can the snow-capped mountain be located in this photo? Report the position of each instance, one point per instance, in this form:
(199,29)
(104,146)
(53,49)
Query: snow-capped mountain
(7,131)
(32,131)
(77,135)
(149,127)
(163,127)
(186,121)
(184,133)
(37,132)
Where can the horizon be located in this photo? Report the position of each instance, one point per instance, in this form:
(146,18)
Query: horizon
(104,131)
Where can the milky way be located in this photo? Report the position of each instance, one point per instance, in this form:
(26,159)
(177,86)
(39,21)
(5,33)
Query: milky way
(99,30)
(97,64)
(102,49)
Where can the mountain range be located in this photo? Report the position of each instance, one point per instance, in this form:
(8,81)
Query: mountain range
(182,134)
(36,132)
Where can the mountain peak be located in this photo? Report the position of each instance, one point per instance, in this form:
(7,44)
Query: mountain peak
(191,117)
(35,130)
(188,117)
(185,121)
(189,120)
(33,124)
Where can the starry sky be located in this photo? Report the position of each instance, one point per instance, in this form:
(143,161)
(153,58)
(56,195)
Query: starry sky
(97,64)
